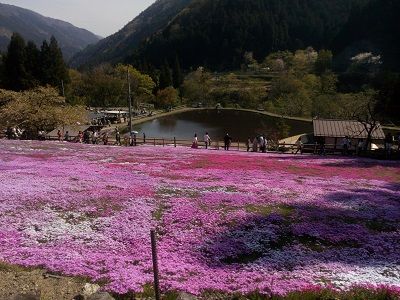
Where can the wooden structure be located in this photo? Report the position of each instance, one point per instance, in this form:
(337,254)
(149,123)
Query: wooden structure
(334,131)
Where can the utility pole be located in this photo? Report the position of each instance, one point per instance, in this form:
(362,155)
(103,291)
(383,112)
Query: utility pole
(130,103)
(62,86)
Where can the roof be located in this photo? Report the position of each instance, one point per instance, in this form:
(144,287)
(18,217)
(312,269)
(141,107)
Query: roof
(342,128)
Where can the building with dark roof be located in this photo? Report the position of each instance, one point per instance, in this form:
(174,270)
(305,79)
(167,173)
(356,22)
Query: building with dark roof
(334,131)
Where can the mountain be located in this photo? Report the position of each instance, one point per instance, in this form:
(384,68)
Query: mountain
(35,27)
(121,44)
(216,33)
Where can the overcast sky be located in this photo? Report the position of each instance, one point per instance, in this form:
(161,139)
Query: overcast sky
(102,17)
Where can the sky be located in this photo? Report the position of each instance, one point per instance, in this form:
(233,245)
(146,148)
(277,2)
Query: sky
(102,17)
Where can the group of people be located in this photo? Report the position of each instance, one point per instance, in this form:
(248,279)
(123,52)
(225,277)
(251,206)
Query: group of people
(259,143)
(14,133)
(207,141)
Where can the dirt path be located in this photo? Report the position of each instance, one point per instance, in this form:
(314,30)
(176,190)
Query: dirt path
(16,281)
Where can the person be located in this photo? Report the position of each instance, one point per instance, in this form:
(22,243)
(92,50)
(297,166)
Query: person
(398,142)
(9,133)
(66,136)
(388,144)
(322,148)
(346,145)
(360,146)
(14,133)
(299,145)
(264,145)
(105,139)
(117,137)
(195,143)
(133,139)
(227,142)
(80,137)
(255,145)
(40,135)
(86,137)
(59,135)
(144,138)
(207,140)
(261,143)
(95,136)
(248,144)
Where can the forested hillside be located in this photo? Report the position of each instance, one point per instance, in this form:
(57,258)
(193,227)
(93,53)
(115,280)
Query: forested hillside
(35,27)
(373,28)
(121,44)
(216,34)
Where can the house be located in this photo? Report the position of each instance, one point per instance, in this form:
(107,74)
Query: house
(332,132)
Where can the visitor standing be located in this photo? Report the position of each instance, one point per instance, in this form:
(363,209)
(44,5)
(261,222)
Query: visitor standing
(264,145)
(80,137)
(195,143)
(360,146)
(105,139)
(255,145)
(227,141)
(95,136)
(299,145)
(388,144)
(261,142)
(59,135)
(207,140)
(66,136)
(398,142)
(248,144)
(346,145)
(117,137)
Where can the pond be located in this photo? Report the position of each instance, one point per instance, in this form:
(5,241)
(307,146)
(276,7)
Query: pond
(239,125)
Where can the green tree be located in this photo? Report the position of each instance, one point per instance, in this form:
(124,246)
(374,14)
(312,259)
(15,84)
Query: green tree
(15,75)
(32,63)
(167,97)
(197,86)
(39,109)
(54,69)
(324,61)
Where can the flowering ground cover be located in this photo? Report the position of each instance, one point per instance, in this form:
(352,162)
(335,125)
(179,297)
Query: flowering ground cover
(228,222)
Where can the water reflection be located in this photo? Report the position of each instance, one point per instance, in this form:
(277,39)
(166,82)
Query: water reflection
(238,124)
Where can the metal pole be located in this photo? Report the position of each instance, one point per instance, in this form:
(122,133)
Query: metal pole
(130,102)
(155,264)
(62,86)
(175,142)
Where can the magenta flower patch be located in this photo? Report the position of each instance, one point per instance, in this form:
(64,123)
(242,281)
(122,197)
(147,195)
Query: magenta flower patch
(232,222)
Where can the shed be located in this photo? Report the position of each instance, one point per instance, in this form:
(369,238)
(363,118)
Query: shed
(335,130)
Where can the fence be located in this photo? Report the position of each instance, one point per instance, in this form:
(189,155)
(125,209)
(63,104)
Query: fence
(273,146)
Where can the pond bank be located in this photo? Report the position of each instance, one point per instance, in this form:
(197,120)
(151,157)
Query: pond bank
(265,113)
(188,109)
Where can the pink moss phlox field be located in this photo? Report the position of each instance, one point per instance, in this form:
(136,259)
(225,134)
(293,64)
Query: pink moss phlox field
(232,222)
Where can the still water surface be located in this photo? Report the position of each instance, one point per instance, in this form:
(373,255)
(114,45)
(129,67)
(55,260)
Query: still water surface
(238,124)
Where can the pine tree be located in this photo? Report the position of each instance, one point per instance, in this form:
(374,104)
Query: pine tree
(15,75)
(32,64)
(53,70)
(177,74)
